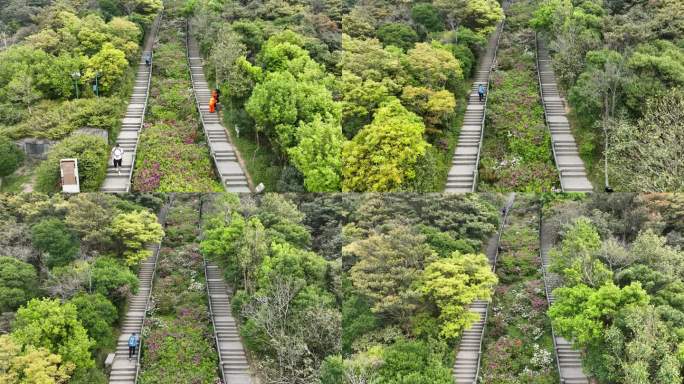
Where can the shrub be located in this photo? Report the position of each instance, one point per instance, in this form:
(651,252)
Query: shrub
(112,279)
(97,314)
(18,283)
(399,35)
(52,237)
(11,157)
(92,154)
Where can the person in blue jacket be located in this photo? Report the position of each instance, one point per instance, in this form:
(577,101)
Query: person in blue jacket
(133,342)
(481,92)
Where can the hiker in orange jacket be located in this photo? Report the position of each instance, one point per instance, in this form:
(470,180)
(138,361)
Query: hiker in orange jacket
(212,105)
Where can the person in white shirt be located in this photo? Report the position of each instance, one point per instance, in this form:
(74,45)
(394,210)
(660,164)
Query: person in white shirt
(117,155)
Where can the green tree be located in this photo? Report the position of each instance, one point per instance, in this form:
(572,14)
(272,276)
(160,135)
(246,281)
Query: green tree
(11,157)
(452,284)
(383,155)
(132,232)
(397,34)
(108,277)
(97,314)
(90,151)
(110,62)
(413,362)
(18,283)
(33,365)
(387,268)
(434,66)
(89,216)
(478,15)
(46,323)
(318,154)
(52,237)
(428,16)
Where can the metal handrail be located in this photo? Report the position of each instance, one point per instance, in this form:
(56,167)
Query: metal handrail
(199,110)
(153,36)
(499,32)
(548,294)
(161,218)
(546,116)
(211,309)
(508,207)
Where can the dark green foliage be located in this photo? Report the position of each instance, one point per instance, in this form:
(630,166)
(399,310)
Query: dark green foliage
(413,362)
(18,283)
(51,236)
(97,314)
(428,16)
(399,35)
(92,154)
(112,279)
(465,57)
(11,157)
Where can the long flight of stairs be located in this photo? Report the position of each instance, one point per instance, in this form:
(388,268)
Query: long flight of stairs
(570,166)
(233,361)
(467,363)
(230,171)
(123,370)
(131,125)
(464,164)
(569,359)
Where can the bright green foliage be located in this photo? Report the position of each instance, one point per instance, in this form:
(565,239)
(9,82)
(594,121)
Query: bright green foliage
(34,365)
(386,269)
(318,154)
(412,362)
(11,157)
(110,278)
(110,62)
(433,66)
(54,326)
(383,155)
(97,314)
(52,237)
(132,232)
(89,216)
(18,283)
(90,151)
(399,35)
(452,284)
(296,264)
(576,259)
(478,15)
(580,313)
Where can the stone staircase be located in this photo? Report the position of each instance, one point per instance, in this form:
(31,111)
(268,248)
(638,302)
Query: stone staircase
(232,359)
(462,175)
(467,364)
(569,359)
(123,370)
(131,125)
(573,175)
(233,177)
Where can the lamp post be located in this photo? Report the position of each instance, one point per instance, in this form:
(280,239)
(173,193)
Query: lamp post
(75,76)
(96,88)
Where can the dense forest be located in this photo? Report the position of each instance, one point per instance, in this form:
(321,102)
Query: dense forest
(71,68)
(67,266)
(617,263)
(621,64)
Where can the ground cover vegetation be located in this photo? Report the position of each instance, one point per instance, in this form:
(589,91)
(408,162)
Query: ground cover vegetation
(411,266)
(403,82)
(67,265)
(617,267)
(620,65)
(286,295)
(48,78)
(178,343)
(516,152)
(518,345)
(173,155)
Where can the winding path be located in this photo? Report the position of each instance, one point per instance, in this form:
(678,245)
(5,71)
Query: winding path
(125,371)
(569,360)
(233,176)
(462,176)
(573,175)
(133,120)
(467,364)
